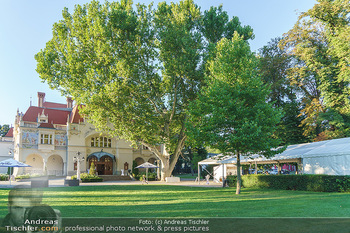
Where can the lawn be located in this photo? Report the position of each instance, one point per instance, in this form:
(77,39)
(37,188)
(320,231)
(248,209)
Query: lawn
(179,201)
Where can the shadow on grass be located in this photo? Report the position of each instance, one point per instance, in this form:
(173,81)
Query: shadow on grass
(180,201)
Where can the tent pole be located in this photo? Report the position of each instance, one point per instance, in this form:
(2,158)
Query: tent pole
(256,168)
(199,173)
(223,175)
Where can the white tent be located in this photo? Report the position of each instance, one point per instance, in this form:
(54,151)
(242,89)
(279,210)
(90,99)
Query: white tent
(147,165)
(214,160)
(331,157)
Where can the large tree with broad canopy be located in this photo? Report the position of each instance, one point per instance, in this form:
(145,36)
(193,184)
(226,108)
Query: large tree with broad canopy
(135,69)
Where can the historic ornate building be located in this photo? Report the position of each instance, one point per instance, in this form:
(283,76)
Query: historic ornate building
(51,136)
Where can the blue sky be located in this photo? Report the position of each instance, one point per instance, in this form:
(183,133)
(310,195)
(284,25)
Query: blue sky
(25,27)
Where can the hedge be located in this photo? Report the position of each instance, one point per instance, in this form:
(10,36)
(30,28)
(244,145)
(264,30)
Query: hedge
(316,183)
(4,177)
(27,176)
(151,176)
(86,178)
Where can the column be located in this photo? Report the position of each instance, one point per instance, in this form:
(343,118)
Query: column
(65,168)
(44,167)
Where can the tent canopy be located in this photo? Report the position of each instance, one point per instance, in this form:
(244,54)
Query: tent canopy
(147,165)
(293,153)
(12,163)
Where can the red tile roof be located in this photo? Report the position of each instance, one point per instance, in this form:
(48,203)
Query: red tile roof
(9,133)
(55,116)
(75,116)
(46,125)
(54,105)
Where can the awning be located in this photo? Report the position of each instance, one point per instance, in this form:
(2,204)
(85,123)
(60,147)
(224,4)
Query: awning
(100,154)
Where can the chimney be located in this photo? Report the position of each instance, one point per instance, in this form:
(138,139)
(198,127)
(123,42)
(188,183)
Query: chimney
(41,99)
(69,102)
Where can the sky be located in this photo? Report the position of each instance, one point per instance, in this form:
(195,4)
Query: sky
(26,26)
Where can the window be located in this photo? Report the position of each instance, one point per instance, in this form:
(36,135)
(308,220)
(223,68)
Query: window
(101,142)
(46,139)
(92,141)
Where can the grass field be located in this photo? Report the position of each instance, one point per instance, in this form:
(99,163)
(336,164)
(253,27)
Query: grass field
(179,201)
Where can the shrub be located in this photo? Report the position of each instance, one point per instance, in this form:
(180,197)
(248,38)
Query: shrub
(135,170)
(92,170)
(4,177)
(86,177)
(316,183)
(27,176)
(151,176)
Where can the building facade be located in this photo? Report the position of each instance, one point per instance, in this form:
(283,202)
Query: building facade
(53,138)
(6,149)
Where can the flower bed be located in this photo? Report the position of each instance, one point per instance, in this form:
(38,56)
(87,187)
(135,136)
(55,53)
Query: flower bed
(86,177)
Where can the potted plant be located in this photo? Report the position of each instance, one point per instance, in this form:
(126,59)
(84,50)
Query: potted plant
(73,181)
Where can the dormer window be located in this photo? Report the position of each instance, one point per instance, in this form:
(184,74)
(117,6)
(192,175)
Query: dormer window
(42,118)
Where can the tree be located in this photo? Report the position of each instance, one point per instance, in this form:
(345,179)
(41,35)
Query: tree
(231,112)
(274,64)
(4,129)
(92,170)
(319,41)
(190,156)
(134,71)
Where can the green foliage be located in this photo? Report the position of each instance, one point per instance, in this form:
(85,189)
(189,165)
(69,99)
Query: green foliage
(4,129)
(27,176)
(20,177)
(4,177)
(92,170)
(151,176)
(135,170)
(231,113)
(86,177)
(138,67)
(316,183)
(274,64)
(216,25)
(319,43)
(192,155)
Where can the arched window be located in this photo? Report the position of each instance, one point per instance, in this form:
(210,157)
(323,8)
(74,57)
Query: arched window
(101,142)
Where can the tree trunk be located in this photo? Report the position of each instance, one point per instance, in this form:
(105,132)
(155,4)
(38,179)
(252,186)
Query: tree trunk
(165,171)
(168,162)
(239,180)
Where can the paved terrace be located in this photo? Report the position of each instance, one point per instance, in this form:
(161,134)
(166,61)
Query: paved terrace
(60,183)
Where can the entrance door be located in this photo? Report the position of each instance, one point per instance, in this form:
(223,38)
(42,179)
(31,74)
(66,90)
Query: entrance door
(100,168)
(104,166)
(108,165)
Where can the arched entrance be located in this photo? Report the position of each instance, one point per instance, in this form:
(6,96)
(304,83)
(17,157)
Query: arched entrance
(103,162)
(36,163)
(152,160)
(140,161)
(55,165)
